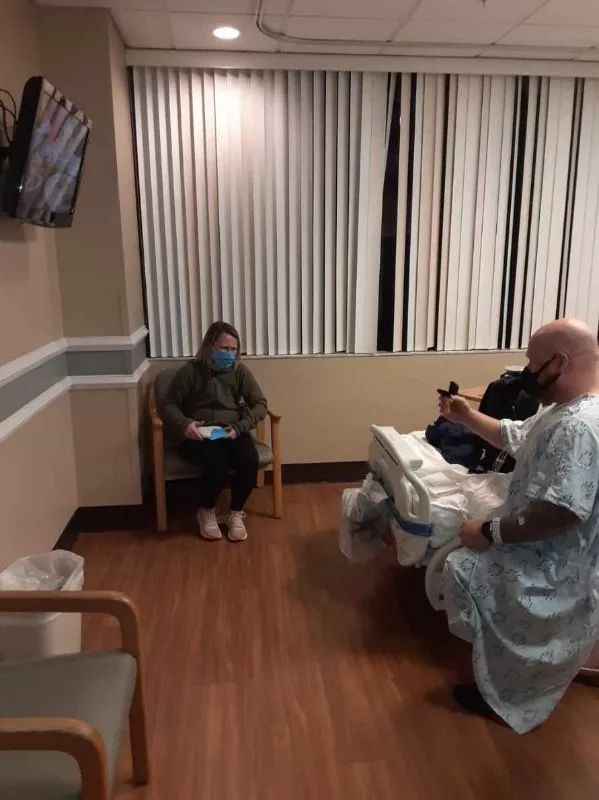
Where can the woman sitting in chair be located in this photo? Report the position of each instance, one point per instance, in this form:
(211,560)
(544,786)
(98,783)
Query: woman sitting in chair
(215,388)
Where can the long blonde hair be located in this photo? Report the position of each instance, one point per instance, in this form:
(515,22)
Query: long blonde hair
(204,354)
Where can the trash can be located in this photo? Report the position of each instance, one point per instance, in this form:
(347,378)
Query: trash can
(39,635)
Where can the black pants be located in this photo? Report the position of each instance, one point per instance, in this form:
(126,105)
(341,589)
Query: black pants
(219,458)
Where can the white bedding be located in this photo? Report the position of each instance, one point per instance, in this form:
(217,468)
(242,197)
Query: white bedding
(454,494)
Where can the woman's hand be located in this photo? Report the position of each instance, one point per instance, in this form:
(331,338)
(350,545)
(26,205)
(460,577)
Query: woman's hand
(232,433)
(471,535)
(192,431)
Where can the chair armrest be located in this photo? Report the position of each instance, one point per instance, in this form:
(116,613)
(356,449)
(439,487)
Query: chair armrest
(275,421)
(155,417)
(74,737)
(114,604)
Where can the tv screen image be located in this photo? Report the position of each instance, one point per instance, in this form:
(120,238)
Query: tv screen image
(46,157)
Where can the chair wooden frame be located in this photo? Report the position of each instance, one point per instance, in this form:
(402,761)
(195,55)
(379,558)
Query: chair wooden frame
(76,737)
(159,477)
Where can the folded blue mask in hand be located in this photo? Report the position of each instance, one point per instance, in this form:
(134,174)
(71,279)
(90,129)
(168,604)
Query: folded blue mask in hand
(212,432)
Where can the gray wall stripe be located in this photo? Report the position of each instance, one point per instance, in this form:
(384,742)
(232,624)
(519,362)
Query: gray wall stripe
(26,387)
(99,362)
(137,355)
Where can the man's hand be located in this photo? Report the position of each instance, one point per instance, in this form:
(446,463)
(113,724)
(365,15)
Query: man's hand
(455,408)
(192,431)
(232,433)
(471,535)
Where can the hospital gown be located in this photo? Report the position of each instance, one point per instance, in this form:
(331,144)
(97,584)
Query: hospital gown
(531,611)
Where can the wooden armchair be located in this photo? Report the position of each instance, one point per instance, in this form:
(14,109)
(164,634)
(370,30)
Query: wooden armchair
(62,718)
(167,465)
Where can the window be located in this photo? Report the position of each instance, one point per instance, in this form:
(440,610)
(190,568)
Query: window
(333,212)
(260,203)
(491,210)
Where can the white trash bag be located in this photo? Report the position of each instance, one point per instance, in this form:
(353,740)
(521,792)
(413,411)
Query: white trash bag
(40,635)
(47,572)
(364,522)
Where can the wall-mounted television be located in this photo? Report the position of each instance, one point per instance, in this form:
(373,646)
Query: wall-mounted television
(46,157)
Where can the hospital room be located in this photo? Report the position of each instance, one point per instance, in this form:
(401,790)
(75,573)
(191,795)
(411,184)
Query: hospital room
(299,399)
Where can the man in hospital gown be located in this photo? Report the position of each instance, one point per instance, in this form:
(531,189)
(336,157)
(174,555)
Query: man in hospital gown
(523,589)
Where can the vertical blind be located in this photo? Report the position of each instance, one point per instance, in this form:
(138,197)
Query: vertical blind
(497,209)
(260,199)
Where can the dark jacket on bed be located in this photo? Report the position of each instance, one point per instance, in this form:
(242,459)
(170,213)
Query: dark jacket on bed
(214,397)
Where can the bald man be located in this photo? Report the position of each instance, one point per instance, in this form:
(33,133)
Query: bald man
(523,588)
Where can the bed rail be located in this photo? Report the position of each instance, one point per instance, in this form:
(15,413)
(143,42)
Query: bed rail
(395,463)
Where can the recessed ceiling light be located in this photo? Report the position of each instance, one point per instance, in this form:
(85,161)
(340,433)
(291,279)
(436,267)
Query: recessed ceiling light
(226,33)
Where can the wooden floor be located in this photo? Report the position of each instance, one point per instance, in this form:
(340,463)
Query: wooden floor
(275,670)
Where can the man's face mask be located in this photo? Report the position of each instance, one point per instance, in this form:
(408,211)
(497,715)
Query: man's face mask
(531,383)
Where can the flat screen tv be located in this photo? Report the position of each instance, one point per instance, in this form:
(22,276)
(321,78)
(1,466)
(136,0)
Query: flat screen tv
(45,157)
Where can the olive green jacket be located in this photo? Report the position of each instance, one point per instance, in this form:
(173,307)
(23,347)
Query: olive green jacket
(213,397)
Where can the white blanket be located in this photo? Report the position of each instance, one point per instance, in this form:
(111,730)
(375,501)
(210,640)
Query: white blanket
(455,495)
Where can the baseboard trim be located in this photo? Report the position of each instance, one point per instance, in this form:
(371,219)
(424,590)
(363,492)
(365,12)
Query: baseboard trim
(333,472)
(67,539)
(102,519)
(182,495)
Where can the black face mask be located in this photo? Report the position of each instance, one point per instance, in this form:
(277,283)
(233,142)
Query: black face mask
(531,384)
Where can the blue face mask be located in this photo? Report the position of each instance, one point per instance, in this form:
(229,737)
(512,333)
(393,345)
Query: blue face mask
(224,359)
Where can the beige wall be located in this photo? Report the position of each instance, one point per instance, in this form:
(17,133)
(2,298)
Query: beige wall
(82,55)
(126,184)
(107,453)
(30,313)
(37,474)
(329,402)
(98,258)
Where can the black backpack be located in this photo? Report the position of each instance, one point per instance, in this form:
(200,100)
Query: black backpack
(503,399)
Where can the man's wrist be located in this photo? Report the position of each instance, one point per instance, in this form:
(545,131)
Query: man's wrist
(491,530)
(485,529)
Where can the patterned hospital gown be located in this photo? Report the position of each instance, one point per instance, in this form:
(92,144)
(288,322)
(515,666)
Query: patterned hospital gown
(531,611)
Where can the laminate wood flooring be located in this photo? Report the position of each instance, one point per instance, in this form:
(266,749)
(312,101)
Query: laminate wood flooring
(276,670)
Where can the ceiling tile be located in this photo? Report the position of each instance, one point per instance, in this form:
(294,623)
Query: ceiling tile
(539,53)
(350,50)
(374,9)
(326,28)
(211,6)
(513,11)
(277,7)
(194,32)
(425,51)
(136,5)
(452,32)
(567,12)
(144,28)
(553,36)
(589,55)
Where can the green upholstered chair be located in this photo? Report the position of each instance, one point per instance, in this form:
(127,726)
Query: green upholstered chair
(169,466)
(62,718)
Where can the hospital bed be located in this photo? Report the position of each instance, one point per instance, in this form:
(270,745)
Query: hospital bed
(428,499)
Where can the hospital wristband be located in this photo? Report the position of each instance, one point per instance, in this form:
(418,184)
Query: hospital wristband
(496,530)
(491,531)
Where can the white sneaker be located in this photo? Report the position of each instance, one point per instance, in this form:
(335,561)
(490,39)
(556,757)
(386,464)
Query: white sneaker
(237,531)
(208,523)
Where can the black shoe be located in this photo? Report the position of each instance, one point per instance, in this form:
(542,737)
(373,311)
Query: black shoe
(470,699)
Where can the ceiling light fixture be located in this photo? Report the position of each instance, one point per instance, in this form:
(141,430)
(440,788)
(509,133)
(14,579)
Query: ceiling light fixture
(226,33)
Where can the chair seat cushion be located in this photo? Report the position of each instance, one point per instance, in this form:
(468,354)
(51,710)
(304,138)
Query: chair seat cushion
(94,687)
(176,468)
